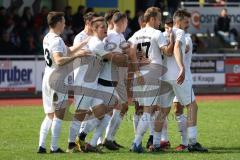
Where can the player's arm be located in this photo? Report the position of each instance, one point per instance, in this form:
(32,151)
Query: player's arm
(179,59)
(60,60)
(119,59)
(168,49)
(135,64)
(77,49)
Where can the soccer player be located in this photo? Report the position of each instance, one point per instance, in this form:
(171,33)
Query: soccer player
(181,87)
(116,37)
(153,43)
(106,81)
(81,101)
(56,53)
(88,126)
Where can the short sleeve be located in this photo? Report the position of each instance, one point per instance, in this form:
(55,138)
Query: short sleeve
(100,49)
(161,40)
(78,39)
(57,45)
(180,35)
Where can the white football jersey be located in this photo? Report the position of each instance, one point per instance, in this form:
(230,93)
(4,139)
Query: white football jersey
(52,43)
(80,71)
(113,42)
(98,48)
(170,62)
(149,40)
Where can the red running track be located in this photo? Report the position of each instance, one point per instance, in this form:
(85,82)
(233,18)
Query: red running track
(38,101)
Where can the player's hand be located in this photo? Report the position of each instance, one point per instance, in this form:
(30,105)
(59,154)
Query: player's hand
(181,76)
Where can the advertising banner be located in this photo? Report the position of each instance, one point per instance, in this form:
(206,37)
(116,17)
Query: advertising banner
(17,76)
(203,19)
(232,72)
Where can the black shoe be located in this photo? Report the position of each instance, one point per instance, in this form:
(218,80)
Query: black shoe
(118,145)
(197,147)
(41,150)
(59,150)
(149,142)
(153,148)
(110,145)
(72,148)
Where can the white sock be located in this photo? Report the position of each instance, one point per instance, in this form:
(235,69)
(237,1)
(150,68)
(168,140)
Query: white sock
(192,134)
(84,123)
(156,139)
(56,128)
(113,122)
(135,122)
(46,124)
(73,130)
(182,126)
(151,125)
(142,127)
(90,125)
(99,130)
(164,135)
(119,121)
(100,140)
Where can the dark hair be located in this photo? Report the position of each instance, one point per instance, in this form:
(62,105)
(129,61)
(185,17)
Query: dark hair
(89,16)
(109,14)
(54,17)
(151,12)
(180,14)
(118,16)
(169,20)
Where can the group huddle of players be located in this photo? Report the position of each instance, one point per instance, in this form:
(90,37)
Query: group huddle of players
(102,58)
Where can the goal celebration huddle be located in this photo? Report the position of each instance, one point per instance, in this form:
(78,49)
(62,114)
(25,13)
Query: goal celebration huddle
(151,68)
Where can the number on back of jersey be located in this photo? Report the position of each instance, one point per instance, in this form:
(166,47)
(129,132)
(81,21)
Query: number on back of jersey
(47,57)
(144,46)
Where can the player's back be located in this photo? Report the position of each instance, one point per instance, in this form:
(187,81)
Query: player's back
(150,40)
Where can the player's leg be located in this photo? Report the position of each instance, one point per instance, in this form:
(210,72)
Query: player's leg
(47,122)
(182,124)
(165,101)
(60,101)
(74,128)
(45,126)
(186,96)
(151,126)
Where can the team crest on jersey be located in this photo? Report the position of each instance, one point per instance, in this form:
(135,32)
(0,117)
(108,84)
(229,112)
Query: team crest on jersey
(109,46)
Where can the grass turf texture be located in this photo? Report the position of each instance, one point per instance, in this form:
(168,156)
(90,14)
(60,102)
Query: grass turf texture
(218,126)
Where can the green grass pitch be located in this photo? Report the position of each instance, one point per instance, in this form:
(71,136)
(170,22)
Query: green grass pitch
(218,128)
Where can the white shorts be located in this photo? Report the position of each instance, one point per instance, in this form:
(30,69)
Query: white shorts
(84,99)
(105,95)
(146,95)
(184,94)
(147,99)
(50,97)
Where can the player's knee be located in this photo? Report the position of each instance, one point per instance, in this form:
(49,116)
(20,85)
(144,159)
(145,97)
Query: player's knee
(99,111)
(178,109)
(50,115)
(80,115)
